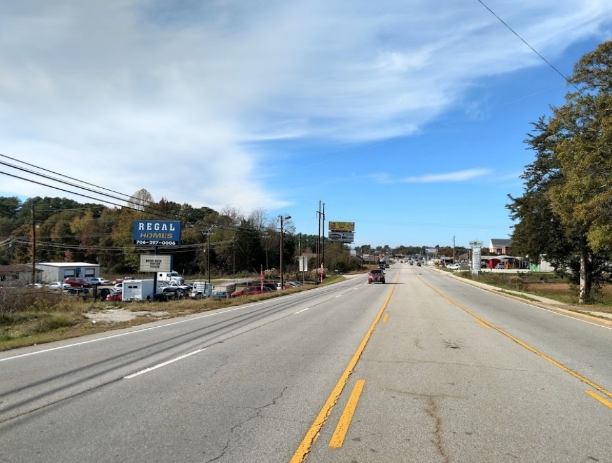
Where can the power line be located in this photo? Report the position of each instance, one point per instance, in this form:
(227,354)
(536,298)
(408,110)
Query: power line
(524,41)
(61,175)
(68,183)
(62,189)
(154,210)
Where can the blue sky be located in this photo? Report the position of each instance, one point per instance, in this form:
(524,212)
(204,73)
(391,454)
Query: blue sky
(407,118)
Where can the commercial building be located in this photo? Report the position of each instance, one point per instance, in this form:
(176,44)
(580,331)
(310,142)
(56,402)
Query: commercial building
(58,271)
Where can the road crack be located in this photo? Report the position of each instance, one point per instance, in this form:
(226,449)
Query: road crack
(245,421)
(433,411)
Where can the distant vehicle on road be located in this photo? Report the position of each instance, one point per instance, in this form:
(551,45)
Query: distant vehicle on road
(376,275)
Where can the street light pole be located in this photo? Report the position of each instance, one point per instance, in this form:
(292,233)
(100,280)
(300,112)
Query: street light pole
(282,286)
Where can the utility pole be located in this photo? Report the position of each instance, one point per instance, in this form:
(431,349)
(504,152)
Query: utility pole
(300,256)
(33,244)
(207,232)
(323,237)
(282,286)
(319,237)
(454,249)
(208,255)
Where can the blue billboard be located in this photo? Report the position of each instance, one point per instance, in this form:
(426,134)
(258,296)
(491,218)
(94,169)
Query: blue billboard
(157,232)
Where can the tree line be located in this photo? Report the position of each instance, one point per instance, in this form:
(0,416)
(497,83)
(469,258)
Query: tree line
(226,242)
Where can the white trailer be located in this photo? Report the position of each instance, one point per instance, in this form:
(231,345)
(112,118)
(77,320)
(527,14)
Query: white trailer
(137,290)
(200,290)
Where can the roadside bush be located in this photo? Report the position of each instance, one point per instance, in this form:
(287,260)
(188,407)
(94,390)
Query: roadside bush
(516,282)
(16,302)
(54,322)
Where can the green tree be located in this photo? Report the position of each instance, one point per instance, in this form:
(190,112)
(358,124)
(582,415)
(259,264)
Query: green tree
(565,211)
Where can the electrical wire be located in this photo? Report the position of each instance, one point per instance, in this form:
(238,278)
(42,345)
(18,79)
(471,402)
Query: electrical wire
(565,78)
(152,209)
(62,175)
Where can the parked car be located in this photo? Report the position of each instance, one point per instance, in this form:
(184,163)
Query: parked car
(285,284)
(103,293)
(58,285)
(453,266)
(82,292)
(172,290)
(98,281)
(249,290)
(376,275)
(114,296)
(500,266)
(219,295)
(78,282)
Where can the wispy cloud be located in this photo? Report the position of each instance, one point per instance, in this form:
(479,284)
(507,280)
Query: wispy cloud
(183,95)
(459,176)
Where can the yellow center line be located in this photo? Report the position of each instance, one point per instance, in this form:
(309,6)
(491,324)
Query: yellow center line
(521,343)
(607,403)
(313,433)
(483,324)
(386,317)
(347,416)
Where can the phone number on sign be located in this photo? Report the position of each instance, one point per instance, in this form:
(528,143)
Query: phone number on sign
(155,243)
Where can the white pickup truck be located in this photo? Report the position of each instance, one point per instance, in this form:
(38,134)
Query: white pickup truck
(172,277)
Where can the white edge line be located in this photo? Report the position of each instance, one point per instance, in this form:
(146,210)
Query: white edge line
(300,311)
(142,330)
(146,370)
(500,293)
(565,315)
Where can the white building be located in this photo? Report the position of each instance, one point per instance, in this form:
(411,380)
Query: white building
(58,271)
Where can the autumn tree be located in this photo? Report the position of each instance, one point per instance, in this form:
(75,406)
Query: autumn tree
(140,200)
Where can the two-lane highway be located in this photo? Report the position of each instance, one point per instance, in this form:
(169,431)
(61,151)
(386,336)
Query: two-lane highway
(423,368)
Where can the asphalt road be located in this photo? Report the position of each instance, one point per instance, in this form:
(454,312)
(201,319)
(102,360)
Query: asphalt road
(422,369)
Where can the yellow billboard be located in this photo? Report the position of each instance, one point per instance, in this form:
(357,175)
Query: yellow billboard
(342,226)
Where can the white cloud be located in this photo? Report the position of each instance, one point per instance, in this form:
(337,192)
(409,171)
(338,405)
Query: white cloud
(459,176)
(173,96)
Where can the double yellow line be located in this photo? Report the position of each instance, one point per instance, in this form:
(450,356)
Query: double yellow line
(313,433)
(488,324)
